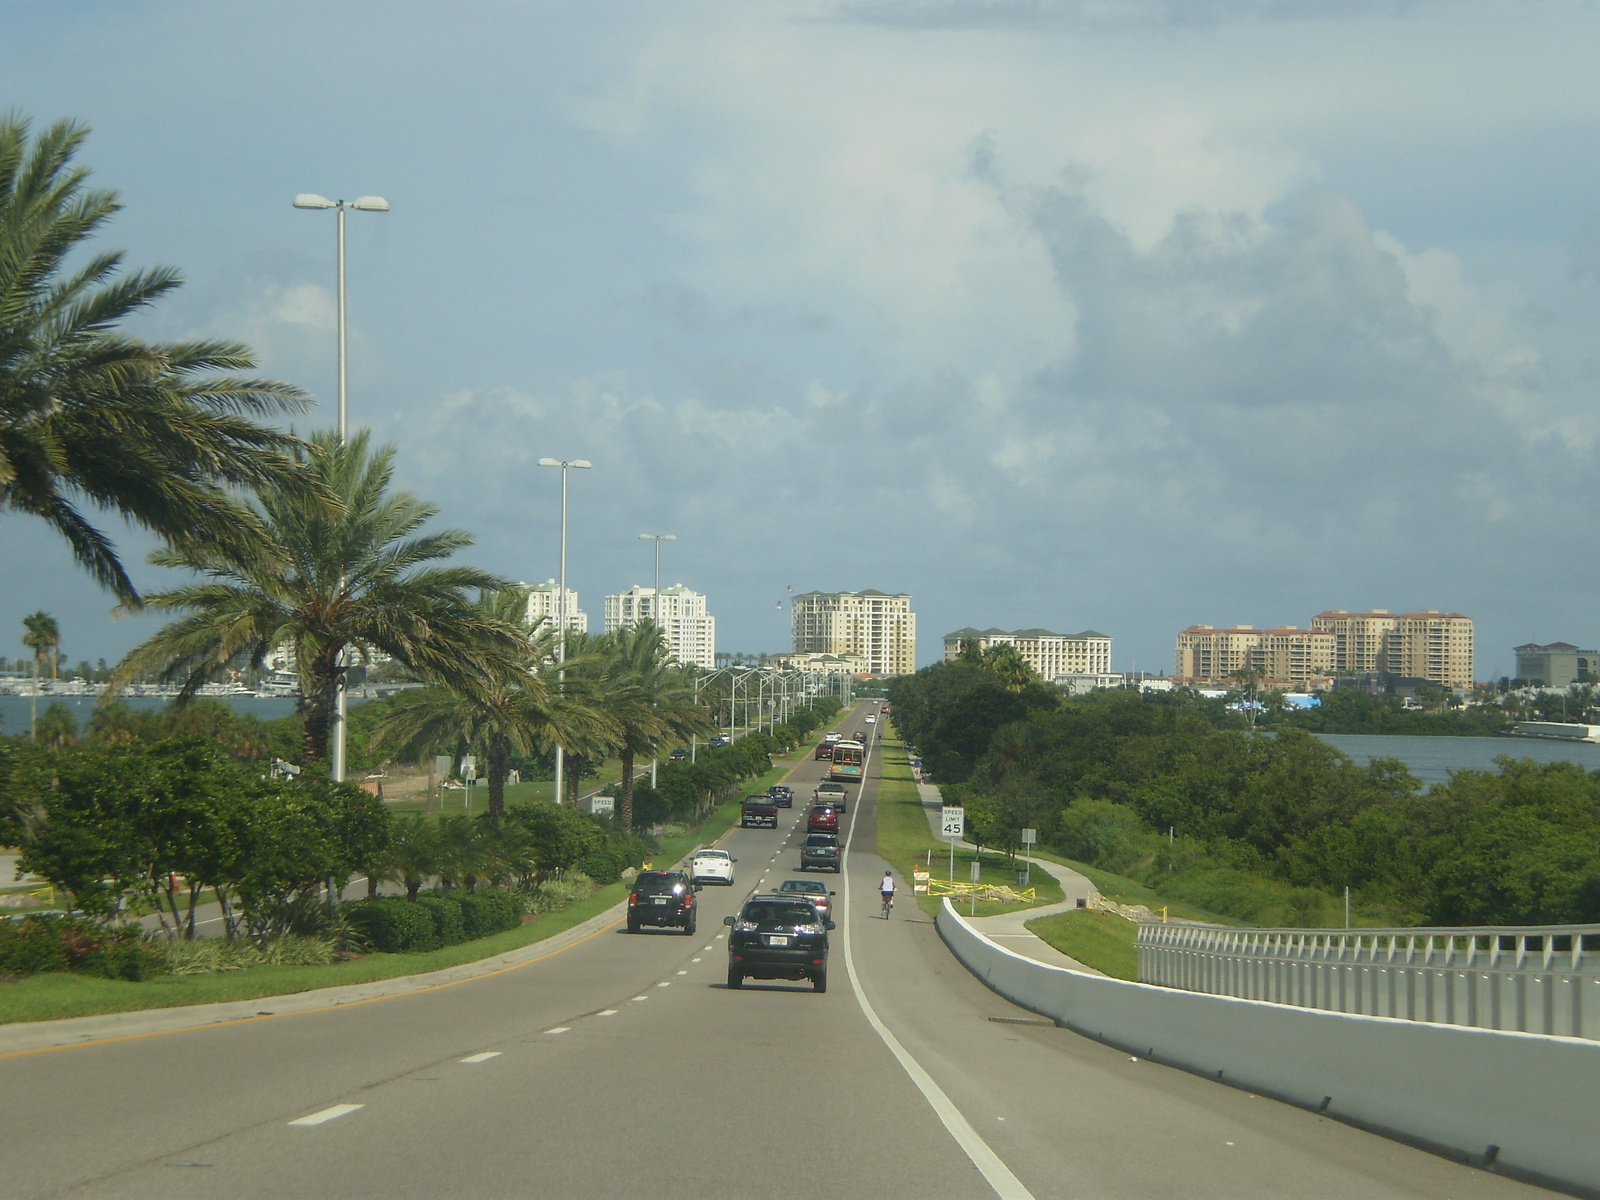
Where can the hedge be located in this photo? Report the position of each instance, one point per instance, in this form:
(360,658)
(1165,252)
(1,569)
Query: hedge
(395,925)
(37,945)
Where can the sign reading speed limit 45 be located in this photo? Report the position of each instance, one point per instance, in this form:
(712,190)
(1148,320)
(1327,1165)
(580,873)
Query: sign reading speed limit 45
(954,822)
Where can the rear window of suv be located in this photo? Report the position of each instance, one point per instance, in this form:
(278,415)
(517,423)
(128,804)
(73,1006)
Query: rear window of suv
(780,914)
(821,839)
(656,881)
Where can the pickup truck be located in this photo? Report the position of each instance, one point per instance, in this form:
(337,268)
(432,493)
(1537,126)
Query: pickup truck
(830,793)
(758,812)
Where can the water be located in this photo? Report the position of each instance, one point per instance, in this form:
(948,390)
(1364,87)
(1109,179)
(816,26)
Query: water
(14,709)
(1431,759)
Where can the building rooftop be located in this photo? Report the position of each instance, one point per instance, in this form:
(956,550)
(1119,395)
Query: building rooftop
(970,632)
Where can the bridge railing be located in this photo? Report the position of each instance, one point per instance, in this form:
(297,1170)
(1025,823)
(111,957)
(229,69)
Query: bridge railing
(1528,979)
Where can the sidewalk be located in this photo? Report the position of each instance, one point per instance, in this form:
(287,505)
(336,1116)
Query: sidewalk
(1009,929)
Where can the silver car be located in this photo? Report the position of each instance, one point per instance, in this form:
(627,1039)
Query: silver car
(813,890)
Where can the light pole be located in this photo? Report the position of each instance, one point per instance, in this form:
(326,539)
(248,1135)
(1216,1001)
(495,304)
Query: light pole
(360,204)
(561,597)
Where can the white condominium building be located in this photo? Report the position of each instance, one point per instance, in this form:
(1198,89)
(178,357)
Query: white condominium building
(876,626)
(1052,655)
(544,603)
(1282,655)
(1431,645)
(691,632)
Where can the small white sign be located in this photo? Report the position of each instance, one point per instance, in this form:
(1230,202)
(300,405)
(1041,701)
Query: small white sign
(1030,836)
(977,870)
(598,805)
(441,764)
(953,822)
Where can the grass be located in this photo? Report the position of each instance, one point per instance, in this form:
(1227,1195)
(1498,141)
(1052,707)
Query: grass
(1100,940)
(56,996)
(1129,891)
(904,838)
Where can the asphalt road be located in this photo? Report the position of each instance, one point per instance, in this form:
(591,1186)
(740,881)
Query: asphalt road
(624,1067)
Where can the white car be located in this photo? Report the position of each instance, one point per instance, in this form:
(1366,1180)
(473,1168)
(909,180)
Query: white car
(872,720)
(712,866)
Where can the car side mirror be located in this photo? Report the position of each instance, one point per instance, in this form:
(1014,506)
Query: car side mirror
(727,920)
(699,886)
(732,859)
(833,893)
(830,925)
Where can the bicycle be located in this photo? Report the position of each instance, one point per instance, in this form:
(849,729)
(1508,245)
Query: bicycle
(888,904)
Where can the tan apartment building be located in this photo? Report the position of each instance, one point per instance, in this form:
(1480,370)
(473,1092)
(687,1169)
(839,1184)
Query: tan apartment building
(1431,645)
(1282,655)
(878,627)
(1052,655)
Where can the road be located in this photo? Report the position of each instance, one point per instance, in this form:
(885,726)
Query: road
(624,1067)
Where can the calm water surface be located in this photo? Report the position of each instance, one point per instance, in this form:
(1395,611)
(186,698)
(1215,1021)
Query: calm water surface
(14,709)
(1431,759)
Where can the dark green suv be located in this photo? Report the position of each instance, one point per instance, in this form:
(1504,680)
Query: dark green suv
(778,937)
(662,898)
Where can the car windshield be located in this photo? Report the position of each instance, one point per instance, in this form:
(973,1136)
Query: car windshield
(801,885)
(779,914)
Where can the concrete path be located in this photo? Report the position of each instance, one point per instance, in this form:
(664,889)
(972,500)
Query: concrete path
(1010,929)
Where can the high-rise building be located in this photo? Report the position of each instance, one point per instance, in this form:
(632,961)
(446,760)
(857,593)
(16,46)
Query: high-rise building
(690,631)
(877,626)
(1283,655)
(1431,645)
(1052,655)
(544,601)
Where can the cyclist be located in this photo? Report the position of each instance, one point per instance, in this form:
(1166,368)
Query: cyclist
(886,889)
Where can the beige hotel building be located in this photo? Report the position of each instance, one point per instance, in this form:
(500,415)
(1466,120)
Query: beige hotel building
(877,627)
(1284,655)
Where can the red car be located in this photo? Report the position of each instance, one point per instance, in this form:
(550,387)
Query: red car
(822,818)
(825,750)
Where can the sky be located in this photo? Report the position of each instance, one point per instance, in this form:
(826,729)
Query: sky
(1062,313)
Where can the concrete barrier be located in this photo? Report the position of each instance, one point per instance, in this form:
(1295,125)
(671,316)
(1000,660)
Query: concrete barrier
(1522,1104)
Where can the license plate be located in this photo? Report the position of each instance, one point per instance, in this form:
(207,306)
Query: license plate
(777,939)
(658,900)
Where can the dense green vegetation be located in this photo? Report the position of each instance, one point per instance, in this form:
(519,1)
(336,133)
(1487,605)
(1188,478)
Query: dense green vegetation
(1264,827)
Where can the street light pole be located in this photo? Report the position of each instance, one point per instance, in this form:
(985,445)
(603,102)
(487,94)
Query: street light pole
(336,733)
(561,599)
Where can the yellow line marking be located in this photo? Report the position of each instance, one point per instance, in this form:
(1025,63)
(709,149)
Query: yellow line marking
(436,987)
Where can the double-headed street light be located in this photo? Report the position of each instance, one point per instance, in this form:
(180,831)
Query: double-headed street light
(336,739)
(561,596)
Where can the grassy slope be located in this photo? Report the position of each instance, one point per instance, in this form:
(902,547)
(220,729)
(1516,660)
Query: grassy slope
(51,997)
(904,837)
(1100,940)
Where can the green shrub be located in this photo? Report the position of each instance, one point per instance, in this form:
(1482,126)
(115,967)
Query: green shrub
(210,956)
(489,910)
(41,944)
(32,947)
(558,891)
(445,910)
(392,925)
(291,950)
(600,867)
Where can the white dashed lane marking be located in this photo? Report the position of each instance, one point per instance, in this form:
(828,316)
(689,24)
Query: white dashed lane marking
(484,1057)
(636,999)
(559,1029)
(327,1114)
(610,1012)
(683,972)
(693,960)
(665,983)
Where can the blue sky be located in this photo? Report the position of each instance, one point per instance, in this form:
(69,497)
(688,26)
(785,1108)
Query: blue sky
(1051,314)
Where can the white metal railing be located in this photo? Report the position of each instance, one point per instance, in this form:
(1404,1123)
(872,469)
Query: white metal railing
(1531,979)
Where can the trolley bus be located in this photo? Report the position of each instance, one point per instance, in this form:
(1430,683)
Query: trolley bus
(847,758)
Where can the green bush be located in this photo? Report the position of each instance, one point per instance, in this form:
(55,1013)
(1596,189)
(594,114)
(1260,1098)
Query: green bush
(558,891)
(392,925)
(489,910)
(32,947)
(600,867)
(40,944)
(446,911)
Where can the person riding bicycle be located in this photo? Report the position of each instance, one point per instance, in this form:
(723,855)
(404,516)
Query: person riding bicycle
(886,889)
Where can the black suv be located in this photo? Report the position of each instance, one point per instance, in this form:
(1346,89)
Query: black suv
(820,850)
(662,898)
(782,795)
(778,937)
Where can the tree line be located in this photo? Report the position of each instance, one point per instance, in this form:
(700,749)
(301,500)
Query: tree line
(1264,826)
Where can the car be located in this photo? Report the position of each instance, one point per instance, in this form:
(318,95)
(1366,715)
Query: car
(831,793)
(712,866)
(871,720)
(825,750)
(821,850)
(758,812)
(885,708)
(833,737)
(822,818)
(813,890)
(782,795)
(720,740)
(663,898)
(778,937)
(678,755)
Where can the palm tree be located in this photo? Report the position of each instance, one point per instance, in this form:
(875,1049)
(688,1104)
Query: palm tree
(1005,661)
(41,635)
(648,699)
(412,856)
(323,579)
(521,709)
(154,432)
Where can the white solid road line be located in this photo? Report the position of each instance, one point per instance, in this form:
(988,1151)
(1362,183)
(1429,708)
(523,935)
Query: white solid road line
(484,1057)
(1006,1185)
(327,1114)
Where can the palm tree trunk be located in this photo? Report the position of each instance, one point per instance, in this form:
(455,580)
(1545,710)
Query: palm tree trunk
(319,705)
(625,807)
(499,755)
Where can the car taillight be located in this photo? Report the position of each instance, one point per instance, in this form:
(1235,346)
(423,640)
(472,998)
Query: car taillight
(817,962)
(633,899)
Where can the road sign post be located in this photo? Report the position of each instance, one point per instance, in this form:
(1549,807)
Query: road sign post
(977,870)
(952,825)
(1029,837)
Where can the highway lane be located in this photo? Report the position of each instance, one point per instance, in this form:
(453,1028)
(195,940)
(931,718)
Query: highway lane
(666,1083)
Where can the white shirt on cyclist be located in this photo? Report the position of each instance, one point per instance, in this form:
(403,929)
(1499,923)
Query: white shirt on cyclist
(887,886)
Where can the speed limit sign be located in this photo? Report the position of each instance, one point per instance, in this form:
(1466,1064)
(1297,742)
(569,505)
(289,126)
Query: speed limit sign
(953,822)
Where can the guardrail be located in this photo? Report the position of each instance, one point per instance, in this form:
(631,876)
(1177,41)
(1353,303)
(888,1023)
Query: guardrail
(1527,979)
